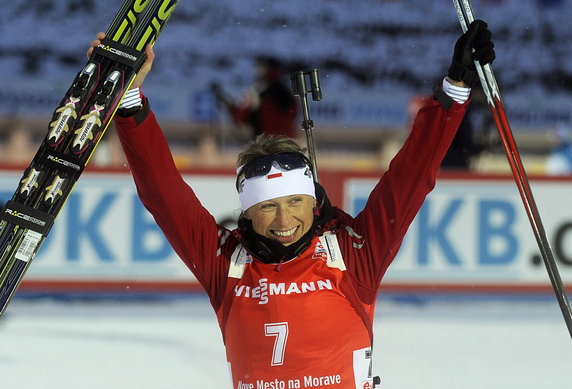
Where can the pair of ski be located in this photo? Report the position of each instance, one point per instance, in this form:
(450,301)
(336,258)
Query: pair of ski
(494,100)
(74,132)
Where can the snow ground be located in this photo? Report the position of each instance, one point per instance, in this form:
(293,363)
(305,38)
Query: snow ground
(429,343)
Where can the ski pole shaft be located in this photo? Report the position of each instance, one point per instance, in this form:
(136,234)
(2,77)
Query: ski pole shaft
(300,89)
(492,91)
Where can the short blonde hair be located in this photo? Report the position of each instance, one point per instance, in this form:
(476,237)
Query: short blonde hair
(264,145)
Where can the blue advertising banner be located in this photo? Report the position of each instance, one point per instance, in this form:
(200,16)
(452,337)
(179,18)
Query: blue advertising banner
(469,232)
(477,231)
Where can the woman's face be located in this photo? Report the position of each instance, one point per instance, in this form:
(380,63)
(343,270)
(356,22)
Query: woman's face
(284,219)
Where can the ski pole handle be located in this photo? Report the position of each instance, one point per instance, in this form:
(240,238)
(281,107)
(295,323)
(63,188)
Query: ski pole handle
(315,85)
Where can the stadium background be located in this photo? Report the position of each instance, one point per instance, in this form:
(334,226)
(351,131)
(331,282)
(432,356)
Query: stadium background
(467,304)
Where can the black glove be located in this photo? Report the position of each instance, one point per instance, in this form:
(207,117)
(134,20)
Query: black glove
(477,37)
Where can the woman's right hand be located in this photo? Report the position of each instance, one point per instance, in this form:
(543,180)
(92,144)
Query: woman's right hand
(145,69)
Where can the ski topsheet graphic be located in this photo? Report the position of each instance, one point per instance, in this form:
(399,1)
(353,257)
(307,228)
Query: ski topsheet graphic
(74,131)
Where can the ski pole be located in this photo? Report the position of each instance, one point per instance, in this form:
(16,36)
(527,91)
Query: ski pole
(300,88)
(489,84)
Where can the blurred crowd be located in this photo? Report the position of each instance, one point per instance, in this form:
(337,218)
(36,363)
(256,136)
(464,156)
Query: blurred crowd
(245,87)
(476,148)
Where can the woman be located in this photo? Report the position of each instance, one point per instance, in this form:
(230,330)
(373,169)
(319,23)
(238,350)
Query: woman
(294,287)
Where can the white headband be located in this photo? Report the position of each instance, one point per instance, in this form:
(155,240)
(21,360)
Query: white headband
(277,183)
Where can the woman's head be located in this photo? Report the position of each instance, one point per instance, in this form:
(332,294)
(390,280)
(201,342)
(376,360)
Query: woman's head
(276,188)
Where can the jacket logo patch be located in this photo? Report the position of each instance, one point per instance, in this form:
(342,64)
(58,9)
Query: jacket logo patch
(320,252)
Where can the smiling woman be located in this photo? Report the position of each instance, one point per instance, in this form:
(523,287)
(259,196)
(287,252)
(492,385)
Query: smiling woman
(289,234)
(277,190)
(282,204)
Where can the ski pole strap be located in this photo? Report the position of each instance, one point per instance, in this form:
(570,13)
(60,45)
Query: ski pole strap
(27,217)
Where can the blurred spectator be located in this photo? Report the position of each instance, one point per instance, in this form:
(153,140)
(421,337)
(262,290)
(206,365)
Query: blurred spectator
(473,136)
(268,107)
(559,161)
(464,148)
(18,147)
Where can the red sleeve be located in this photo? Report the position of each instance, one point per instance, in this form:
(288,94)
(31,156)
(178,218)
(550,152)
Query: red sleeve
(399,194)
(188,226)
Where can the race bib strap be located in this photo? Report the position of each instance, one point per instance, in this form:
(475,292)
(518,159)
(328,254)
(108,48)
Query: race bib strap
(239,258)
(330,243)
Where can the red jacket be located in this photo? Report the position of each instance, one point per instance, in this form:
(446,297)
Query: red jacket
(368,243)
